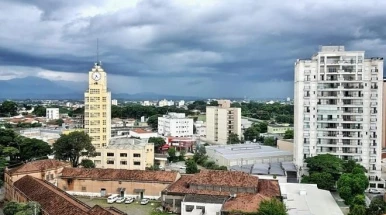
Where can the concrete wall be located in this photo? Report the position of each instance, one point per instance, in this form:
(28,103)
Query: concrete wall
(210,209)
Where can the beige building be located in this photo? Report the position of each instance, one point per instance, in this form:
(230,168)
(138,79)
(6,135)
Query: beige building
(279,129)
(125,153)
(42,169)
(104,182)
(384,116)
(97,99)
(222,121)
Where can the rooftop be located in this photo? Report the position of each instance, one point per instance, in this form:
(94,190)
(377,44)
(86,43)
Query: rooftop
(141,131)
(246,203)
(124,142)
(56,201)
(120,175)
(305,199)
(252,150)
(278,169)
(38,166)
(224,178)
(205,199)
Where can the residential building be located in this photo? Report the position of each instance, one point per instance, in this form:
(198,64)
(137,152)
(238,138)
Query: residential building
(52,200)
(142,133)
(125,153)
(384,115)
(42,169)
(163,103)
(222,121)
(52,113)
(114,102)
(205,192)
(47,135)
(180,103)
(308,199)
(146,103)
(337,102)
(175,125)
(103,182)
(200,128)
(244,154)
(97,110)
(279,129)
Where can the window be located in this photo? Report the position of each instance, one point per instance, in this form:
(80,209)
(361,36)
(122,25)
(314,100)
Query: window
(123,162)
(110,154)
(123,155)
(110,162)
(202,208)
(104,99)
(83,189)
(189,208)
(137,155)
(97,154)
(137,163)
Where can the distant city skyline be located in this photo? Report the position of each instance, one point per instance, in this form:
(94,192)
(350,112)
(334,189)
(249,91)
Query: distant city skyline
(207,48)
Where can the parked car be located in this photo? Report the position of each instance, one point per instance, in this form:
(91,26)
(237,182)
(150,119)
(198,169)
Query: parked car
(374,191)
(144,201)
(111,199)
(129,200)
(120,200)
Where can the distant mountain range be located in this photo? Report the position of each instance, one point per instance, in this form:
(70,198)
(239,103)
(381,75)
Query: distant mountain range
(40,88)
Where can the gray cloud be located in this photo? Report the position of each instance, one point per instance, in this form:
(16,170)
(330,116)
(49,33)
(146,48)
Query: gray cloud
(212,46)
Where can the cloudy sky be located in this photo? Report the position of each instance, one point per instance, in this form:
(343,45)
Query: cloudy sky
(219,48)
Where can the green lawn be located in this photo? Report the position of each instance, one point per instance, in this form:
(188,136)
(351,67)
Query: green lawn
(202,117)
(133,208)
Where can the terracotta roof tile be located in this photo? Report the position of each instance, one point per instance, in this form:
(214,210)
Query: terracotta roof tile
(120,174)
(38,166)
(141,131)
(225,178)
(244,202)
(55,201)
(269,188)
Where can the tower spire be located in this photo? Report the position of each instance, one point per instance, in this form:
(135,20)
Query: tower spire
(97,52)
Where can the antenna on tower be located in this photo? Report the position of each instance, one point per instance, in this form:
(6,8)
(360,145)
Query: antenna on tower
(97,52)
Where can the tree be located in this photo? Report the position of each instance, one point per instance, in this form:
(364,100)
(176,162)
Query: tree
(376,207)
(172,154)
(233,139)
(39,111)
(324,180)
(158,142)
(153,167)
(153,122)
(252,133)
(289,134)
(87,163)
(72,146)
(358,200)
(325,163)
(8,108)
(272,207)
(352,184)
(31,149)
(350,166)
(191,166)
(269,141)
(59,122)
(358,210)
(14,208)
(263,127)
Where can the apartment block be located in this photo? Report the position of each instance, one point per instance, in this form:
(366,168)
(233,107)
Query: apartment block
(125,153)
(338,108)
(52,113)
(222,121)
(114,102)
(97,111)
(175,125)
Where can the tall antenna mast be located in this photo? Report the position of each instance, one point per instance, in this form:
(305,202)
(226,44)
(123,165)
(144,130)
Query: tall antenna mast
(97,51)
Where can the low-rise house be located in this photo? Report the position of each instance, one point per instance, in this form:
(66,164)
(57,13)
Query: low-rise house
(102,182)
(279,129)
(52,200)
(308,199)
(47,169)
(239,191)
(142,133)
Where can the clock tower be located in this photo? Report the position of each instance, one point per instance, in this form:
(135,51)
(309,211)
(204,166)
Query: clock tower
(97,110)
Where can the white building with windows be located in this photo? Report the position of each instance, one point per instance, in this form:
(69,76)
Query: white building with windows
(175,125)
(52,113)
(114,102)
(338,108)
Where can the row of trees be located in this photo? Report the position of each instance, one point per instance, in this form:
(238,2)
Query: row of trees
(349,178)
(201,159)
(281,113)
(8,109)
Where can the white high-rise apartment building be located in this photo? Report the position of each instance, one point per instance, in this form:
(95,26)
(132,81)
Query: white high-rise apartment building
(114,102)
(222,121)
(175,125)
(52,113)
(338,108)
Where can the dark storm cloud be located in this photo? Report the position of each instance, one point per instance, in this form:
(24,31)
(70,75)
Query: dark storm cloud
(245,41)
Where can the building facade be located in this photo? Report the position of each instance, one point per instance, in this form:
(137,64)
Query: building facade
(222,121)
(175,125)
(97,109)
(52,113)
(125,153)
(114,102)
(338,108)
(384,116)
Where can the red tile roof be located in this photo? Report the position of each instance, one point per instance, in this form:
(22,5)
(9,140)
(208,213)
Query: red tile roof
(141,131)
(225,178)
(120,174)
(245,203)
(55,201)
(38,166)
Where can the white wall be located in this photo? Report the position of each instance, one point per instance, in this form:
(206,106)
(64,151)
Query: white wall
(210,209)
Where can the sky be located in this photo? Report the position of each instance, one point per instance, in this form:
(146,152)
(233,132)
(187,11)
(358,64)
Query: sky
(211,48)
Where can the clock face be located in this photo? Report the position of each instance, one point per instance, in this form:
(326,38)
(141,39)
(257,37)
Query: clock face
(96,76)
